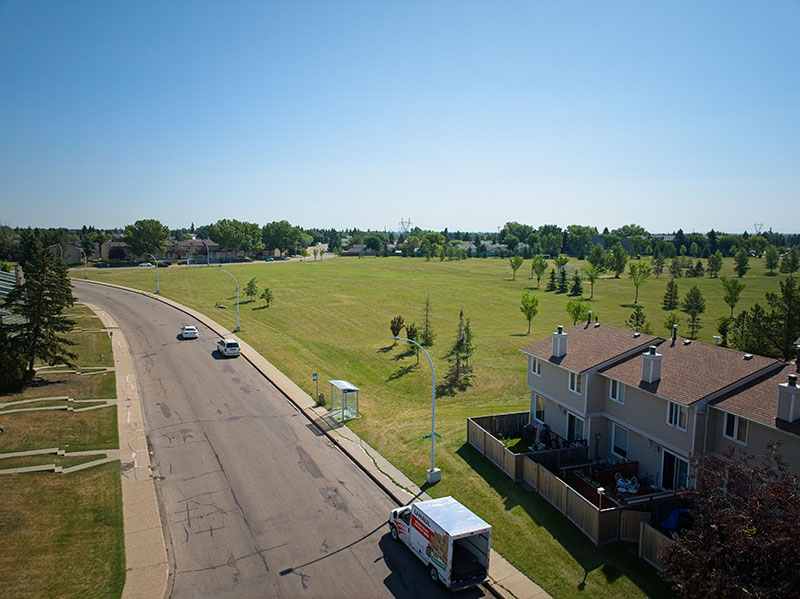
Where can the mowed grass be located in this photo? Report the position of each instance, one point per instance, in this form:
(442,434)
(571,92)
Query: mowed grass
(332,317)
(62,534)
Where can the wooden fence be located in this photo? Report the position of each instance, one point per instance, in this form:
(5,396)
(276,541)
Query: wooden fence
(493,448)
(651,544)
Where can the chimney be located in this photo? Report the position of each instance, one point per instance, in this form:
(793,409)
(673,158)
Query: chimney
(559,342)
(789,400)
(596,320)
(651,365)
(717,339)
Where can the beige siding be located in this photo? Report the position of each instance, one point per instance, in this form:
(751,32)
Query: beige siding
(597,389)
(554,383)
(758,436)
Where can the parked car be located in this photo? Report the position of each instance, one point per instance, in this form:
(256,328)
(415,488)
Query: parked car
(270,259)
(165,263)
(228,347)
(188,332)
(145,264)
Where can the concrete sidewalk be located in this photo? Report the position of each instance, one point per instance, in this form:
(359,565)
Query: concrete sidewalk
(506,581)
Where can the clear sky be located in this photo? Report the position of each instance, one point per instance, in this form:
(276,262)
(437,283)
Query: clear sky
(356,114)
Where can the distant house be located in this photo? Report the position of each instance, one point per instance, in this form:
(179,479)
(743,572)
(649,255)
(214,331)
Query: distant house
(196,248)
(358,249)
(115,250)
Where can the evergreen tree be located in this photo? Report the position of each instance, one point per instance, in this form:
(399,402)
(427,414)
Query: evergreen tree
(562,280)
(676,267)
(551,283)
(576,288)
(412,333)
(771,259)
(40,300)
(464,346)
(670,321)
(791,260)
(724,325)
(427,337)
(714,264)
(638,323)
(699,271)
(694,304)
(658,264)
(670,301)
(13,374)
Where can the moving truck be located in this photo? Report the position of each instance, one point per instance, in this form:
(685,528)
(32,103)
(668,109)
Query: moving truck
(448,538)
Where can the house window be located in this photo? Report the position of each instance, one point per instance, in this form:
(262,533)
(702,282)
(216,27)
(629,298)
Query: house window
(619,441)
(675,473)
(574,427)
(735,429)
(538,407)
(617,391)
(536,366)
(575,382)
(676,415)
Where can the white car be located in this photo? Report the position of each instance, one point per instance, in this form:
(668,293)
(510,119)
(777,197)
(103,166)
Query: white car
(228,347)
(188,332)
(145,264)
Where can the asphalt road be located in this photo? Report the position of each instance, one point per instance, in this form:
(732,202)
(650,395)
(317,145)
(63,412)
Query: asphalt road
(254,501)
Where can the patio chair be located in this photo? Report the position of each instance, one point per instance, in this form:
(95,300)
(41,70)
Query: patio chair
(617,476)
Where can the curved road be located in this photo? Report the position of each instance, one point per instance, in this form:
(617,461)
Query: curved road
(254,501)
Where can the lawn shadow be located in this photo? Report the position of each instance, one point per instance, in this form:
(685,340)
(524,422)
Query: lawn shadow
(386,349)
(614,560)
(519,334)
(631,306)
(402,371)
(260,307)
(406,354)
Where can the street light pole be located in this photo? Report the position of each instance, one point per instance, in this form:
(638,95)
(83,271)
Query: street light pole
(158,290)
(208,256)
(85,263)
(60,249)
(434,475)
(236,330)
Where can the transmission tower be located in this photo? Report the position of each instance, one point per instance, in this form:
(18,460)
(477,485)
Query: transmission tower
(405,225)
(758,227)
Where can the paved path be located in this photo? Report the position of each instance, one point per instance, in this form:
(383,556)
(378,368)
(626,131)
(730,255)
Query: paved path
(506,581)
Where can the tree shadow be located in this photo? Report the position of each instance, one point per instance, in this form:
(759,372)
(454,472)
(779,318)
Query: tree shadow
(387,349)
(400,372)
(519,334)
(260,307)
(452,384)
(631,306)
(537,288)
(406,354)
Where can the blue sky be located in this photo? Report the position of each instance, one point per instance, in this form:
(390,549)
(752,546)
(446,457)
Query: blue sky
(357,114)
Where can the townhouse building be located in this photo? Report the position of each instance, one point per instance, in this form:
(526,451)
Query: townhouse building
(656,401)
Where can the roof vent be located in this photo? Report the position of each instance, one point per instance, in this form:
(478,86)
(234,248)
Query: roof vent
(636,335)
(717,339)
(792,382)
(748,357)
(687,341)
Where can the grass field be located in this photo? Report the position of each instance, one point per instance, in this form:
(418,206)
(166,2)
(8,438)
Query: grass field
(332,317)
(62,534)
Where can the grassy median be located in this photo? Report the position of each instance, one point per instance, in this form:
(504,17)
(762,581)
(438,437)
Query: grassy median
(332,317)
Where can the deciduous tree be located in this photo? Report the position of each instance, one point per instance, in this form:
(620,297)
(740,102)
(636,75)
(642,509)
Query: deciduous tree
(771,259)
(740,262)
(592,273)
(514,262)
(639,272)
(529,307)
(714,264)
(733,290)
(396,325)
(251,289)
(267,296)
(146,236)
(577,310)
(538,266)
(616,259)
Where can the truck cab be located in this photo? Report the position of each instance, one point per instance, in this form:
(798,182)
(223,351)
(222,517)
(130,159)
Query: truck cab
(448,538)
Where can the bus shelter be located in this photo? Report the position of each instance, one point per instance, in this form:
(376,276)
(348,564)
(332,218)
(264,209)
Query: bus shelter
(344,401)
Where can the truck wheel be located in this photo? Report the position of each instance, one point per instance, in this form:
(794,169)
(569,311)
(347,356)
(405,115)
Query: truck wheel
(395,536)
(434,574)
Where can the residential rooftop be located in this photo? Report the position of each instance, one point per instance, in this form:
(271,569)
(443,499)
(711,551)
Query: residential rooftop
(691,371)
(590,345)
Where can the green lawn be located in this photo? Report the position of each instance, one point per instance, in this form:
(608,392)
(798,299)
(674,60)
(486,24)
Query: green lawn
(332,317)
(62,534)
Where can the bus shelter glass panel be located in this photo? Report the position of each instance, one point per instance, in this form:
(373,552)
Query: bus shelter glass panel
(344,400)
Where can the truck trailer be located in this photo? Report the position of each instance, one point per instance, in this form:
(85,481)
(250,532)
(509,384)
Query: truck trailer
(449,539)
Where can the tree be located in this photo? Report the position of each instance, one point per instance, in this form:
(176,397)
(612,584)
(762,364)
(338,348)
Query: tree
(658,264)
(670,301)
(40,300)
(671,320)
(592,273)
(694,304)
(397,325)
(14,374)
(577,310)
(676,267)
(515,262)
(733,289)
(267,296)
(529,307)
(562,280)
(427,337)
(743,541)
(412,333)
(576,288)
(724,325)
(597,257)
(638,323)
(714,264)
(551,283)
(251,289)
(579,238)
(458,356)
(639,272)
(538,266)
(146,236)
(740,262)
(790,262)
(560,261)
(616,259)
(281,236)
(771,259)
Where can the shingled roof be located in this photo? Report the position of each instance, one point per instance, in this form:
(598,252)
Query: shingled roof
(590,345)
(758,401)
(691,371)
